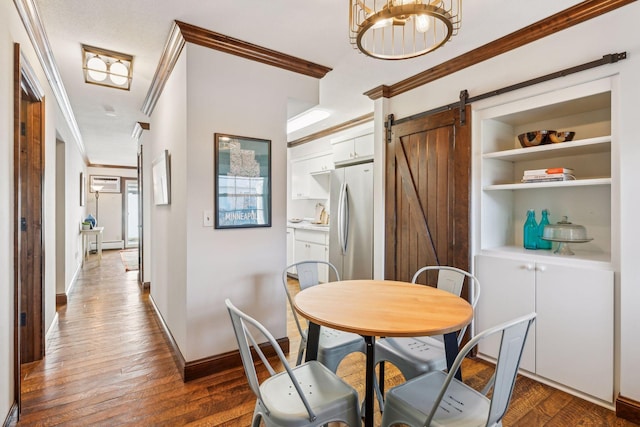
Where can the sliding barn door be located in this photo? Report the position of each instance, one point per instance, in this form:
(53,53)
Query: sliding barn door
(427,195)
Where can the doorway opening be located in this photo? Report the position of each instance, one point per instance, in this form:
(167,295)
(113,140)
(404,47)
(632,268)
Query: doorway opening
(29,142)
(130,214)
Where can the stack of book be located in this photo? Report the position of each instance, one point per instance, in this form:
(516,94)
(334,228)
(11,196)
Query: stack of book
(545,175)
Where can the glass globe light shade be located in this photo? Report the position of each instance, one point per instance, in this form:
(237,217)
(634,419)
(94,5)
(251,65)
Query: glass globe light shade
(96,68)
(119,73)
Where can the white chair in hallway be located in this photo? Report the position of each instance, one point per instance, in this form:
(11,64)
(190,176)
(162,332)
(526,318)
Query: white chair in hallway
(333,345)
(306,395)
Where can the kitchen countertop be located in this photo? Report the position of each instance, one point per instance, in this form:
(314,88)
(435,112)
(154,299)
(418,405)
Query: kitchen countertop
(307,225)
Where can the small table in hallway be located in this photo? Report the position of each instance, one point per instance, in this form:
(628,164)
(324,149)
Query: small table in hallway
(86,235)
(382,308)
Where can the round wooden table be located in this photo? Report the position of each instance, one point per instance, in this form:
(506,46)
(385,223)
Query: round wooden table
(382,308)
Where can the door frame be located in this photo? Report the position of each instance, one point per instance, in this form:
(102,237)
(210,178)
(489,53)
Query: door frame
(25,80)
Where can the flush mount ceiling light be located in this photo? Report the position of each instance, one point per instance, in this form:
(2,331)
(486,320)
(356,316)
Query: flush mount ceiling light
(402,29)
(305,119)
(107,68)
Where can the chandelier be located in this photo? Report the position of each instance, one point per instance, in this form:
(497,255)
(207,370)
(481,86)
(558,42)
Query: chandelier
(402,29)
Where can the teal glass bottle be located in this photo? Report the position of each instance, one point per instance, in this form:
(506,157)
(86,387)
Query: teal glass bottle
(531,231)
(543,244)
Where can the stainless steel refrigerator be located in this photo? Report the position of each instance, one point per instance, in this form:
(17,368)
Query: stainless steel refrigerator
(351,220)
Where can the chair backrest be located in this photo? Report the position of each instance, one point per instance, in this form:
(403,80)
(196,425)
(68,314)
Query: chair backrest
(307,272)
(246,341)
(451,279)
(514,335)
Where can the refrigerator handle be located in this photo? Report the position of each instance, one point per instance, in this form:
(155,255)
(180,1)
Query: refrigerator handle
(345,219)
(340,215)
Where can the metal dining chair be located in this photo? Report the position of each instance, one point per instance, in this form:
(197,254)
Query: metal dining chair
(415,356)
(333,345)
(439,399)
(306,395)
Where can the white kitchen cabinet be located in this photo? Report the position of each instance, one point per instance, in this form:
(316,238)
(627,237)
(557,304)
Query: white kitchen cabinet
(310,177)
(507,291)
(290,247)
(313,245)
(354,149)
(571,342)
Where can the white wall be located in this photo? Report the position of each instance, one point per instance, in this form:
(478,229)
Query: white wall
(7,16)
(610,33)
(11,31)
(167,228)
(73,214)
(212,92)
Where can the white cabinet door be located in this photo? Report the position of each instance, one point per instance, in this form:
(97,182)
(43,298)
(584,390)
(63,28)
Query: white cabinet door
(343,151)
(299,179)
(312,245)
(290,246)
(507,291)
(574,328)
(363,146)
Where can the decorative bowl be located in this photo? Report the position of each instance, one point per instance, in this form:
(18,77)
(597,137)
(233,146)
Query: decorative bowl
(538,137)
(563,136)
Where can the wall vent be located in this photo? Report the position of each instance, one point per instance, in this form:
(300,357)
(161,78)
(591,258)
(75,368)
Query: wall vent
(108,184)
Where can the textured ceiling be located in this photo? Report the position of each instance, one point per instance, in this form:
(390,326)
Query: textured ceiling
(313,30)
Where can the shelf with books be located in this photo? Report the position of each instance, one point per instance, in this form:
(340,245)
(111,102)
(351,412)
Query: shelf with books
(549,184)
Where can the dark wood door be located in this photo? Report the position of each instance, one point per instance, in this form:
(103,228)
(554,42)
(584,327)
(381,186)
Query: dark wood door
(31,254)
(427,195)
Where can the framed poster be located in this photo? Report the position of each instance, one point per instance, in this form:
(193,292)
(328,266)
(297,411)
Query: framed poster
(242,169)
(161,179)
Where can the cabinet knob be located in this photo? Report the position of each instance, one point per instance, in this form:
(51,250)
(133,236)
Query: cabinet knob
(529,267)
(541,268)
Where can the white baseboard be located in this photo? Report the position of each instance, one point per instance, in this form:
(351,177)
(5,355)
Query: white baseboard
(111,244)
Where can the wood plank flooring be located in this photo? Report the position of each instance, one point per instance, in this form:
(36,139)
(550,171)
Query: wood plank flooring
(107,364)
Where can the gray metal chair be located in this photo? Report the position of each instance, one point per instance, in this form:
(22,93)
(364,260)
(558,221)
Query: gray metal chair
(415,356)
(333,345)
(438,399)
(306,395)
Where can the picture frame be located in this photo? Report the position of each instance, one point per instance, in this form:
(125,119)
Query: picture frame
(161,173)
(83,189)
(242,170)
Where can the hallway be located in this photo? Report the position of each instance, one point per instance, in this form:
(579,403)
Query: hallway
(107,363)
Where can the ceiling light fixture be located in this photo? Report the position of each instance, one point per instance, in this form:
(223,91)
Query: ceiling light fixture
(402,29)
(107,68)
(305,119)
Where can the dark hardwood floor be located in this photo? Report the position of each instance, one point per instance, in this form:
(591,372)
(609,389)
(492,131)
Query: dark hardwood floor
(107,364)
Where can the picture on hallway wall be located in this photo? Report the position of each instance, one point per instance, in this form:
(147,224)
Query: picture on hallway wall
(161,173)
(242,168)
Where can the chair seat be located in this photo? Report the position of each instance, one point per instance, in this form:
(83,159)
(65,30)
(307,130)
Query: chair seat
(326,393)
(413,356)
(412,401)
(334,345)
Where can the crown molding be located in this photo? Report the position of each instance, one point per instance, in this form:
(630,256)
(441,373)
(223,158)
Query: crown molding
(30,17)
(567,18)
(170,54)
(181,32)
(138,128)
(217,41)
(334,129)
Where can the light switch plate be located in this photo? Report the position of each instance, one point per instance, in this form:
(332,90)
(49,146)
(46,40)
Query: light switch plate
(207,218)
